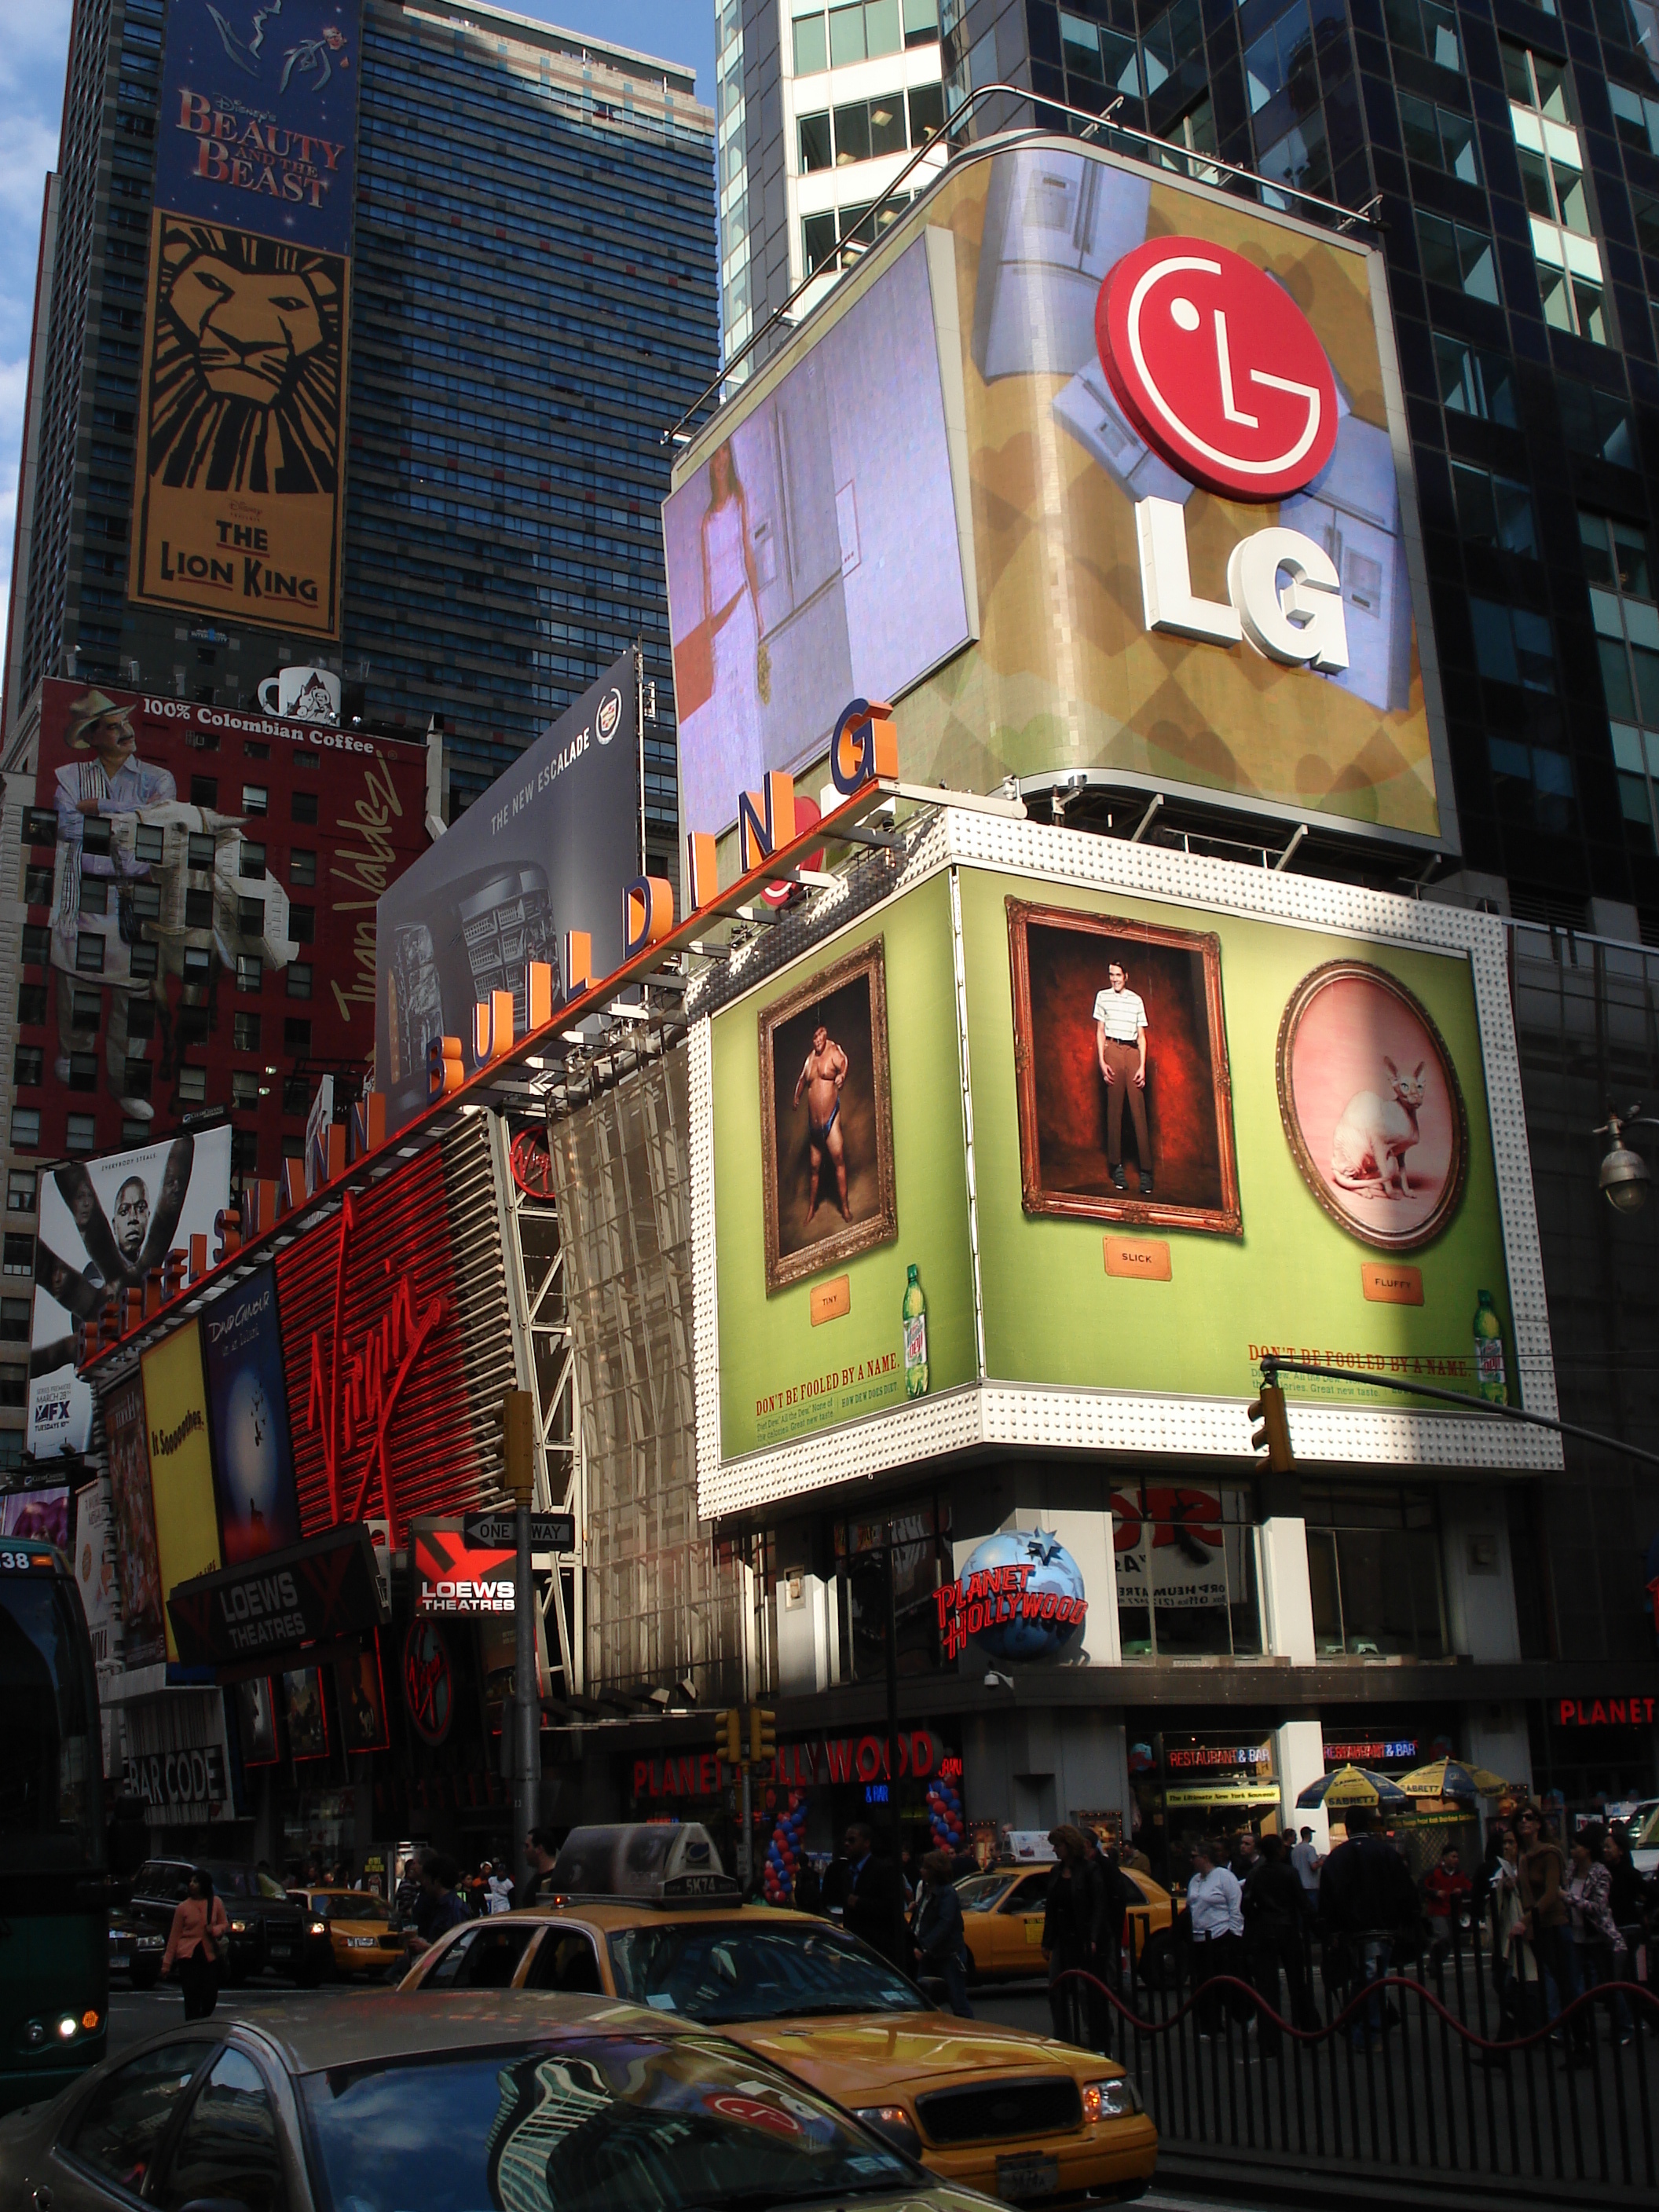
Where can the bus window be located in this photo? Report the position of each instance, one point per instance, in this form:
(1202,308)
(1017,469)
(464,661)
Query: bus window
(50,1752)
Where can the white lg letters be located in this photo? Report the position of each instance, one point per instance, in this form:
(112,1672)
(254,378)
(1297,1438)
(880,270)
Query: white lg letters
(1303,623)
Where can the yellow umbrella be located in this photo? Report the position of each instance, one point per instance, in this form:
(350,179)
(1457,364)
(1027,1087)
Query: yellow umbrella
(1449,1777)
(1352,1785)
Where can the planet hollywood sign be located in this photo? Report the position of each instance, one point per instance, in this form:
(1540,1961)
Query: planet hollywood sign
(813,1763)
(1020,1595)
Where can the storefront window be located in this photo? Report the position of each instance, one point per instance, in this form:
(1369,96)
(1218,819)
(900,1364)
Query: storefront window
(921,1560)
(1185,1572)
(1188,1787)
(1374,1567)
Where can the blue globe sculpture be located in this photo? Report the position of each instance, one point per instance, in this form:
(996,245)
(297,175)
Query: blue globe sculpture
(1053,1569)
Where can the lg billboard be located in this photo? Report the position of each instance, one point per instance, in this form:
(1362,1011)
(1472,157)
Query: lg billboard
(1084,467)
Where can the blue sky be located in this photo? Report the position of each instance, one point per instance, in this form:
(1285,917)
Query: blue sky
(32,54)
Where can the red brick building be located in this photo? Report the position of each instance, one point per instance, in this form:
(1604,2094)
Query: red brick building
(198,887)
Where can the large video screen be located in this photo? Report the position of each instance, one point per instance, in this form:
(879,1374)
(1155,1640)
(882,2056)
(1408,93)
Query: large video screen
(1161,386)
(813,557)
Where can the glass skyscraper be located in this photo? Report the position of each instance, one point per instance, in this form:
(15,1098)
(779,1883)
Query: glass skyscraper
(535,301)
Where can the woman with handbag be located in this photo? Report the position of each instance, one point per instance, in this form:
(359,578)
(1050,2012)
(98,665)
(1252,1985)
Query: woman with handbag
(195,1942)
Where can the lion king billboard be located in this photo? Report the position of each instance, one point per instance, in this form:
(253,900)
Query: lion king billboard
(241,420)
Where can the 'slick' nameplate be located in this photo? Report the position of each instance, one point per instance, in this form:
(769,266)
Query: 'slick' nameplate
(1140,1259)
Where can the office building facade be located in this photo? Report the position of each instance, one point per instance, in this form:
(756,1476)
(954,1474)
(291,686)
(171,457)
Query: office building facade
(1508,159)
(820,111)
(534,303)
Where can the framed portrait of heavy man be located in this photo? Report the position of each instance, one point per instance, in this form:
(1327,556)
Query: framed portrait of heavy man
(827,1119)
(1125,1110)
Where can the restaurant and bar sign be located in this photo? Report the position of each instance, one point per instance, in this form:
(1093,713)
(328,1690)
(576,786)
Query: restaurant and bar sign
(312,1593)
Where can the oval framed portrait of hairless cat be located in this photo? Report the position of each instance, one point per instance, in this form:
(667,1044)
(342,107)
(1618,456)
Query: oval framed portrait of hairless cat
(1372,1108)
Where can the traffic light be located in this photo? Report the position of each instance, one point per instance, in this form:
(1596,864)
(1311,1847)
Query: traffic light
(762,1736)
(730,1736)
(518,1444)
(1274,1433)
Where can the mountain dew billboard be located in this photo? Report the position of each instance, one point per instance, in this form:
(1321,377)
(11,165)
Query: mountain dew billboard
(1162,1139)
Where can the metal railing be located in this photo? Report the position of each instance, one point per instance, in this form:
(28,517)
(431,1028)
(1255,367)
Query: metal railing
(1170,153)
(1427,2064)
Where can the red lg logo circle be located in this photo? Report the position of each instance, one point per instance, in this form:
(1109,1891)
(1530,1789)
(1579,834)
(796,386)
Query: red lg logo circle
(1217,367)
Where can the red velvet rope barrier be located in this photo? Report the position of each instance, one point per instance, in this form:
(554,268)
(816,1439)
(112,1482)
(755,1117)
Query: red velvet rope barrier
(1628,1990)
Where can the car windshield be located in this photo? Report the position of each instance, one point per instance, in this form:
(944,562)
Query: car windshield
(244,1881)
(349,1904)
(585,2123)
(980,1892)
(721,1969)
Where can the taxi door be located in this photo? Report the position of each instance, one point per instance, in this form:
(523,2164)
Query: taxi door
(1018,1923)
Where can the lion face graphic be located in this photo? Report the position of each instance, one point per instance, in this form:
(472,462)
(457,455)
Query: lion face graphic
(245,386)
(251,328)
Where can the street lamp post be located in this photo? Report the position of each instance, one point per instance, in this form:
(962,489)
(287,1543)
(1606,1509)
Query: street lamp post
(519,1430)
(1623,1174)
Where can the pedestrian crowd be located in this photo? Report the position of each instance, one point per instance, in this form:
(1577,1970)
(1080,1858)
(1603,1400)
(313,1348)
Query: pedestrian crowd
(1558,1920)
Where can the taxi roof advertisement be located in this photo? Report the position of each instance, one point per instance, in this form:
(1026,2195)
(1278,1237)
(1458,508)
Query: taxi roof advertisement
(1131,491)
(1194,1112)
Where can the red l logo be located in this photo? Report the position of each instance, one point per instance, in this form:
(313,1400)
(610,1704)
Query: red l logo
(1217,368)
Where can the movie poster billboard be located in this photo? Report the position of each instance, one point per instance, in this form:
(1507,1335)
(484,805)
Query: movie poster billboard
(258,122)
(143,1640)
(547,848)
(180,1462)
(42,1513)
(252,1458)
(1054,340)
(242,428)
(94,1571)
(104,1224)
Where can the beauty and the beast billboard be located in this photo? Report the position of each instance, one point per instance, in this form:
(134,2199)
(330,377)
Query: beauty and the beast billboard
(1056,1142)
(241,422)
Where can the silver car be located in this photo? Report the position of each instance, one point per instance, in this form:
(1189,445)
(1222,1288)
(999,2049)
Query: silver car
(449,2104)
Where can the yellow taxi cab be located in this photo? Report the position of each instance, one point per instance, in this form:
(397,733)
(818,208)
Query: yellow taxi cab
(1002,1911)
(348,1931)
(644,1913)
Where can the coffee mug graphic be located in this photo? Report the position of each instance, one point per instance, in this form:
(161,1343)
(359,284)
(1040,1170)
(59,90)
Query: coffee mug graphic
(302,695)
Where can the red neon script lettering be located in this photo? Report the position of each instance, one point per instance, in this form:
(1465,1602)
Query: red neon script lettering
(354,1394)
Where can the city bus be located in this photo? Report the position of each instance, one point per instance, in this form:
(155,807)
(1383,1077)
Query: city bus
(54,1890)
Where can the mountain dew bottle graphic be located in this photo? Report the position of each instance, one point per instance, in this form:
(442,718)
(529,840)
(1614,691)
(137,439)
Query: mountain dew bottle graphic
(1489,1352)
(915,1312)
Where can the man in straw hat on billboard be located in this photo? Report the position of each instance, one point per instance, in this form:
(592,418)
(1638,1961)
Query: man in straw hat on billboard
(93,927)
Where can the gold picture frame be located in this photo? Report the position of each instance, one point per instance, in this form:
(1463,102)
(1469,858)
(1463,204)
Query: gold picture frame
(1204,1196)
(1330,1151)
(851,997)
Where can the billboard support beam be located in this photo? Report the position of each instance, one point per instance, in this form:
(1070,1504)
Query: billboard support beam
(1272,1367)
